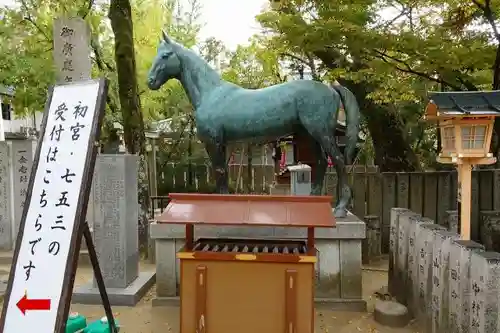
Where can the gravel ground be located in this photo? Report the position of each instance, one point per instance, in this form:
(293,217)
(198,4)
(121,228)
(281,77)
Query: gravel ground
(143,318)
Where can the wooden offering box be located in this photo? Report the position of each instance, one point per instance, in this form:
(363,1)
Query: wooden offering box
(247,285)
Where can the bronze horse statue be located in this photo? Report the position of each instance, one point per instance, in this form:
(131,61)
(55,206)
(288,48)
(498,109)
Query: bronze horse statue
(226,113)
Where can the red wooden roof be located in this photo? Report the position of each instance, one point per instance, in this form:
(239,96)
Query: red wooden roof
(247,210)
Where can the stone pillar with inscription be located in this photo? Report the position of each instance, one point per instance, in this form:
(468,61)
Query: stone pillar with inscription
(22,161)
(490,230)
(440,274)
(116,215)
(484,298)
(393,248)
(414,257)
(459,291)
(73,63)
(6,240)
(72,49)
(402,255)
(425,241)
(451,220)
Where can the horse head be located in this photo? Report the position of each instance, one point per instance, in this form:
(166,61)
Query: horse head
(166,65)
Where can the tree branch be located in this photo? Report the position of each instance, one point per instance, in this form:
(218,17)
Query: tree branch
(100,62)
(299,59)
(490,16)
(102,66)
(312,66)
(28,18)
(387,24)
(408,69)
(89,8)
(469,85)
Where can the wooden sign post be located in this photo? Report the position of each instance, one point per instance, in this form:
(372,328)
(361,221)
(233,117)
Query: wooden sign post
(41,280)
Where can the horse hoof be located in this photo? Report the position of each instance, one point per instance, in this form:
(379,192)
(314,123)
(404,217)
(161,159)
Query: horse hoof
(340,212)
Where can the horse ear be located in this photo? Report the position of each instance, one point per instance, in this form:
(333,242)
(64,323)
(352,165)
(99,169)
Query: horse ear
(165,37)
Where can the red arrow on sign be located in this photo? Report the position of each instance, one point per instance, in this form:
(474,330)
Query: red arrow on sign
(25,304)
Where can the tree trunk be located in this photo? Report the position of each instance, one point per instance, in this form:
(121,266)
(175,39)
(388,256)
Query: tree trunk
(120,14)
(393,152)
(495,144)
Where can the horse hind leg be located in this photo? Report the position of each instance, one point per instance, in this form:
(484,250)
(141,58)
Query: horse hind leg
(321,126)
(321,165)
(344,192)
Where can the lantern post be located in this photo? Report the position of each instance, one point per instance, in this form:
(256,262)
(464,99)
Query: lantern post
(465,121)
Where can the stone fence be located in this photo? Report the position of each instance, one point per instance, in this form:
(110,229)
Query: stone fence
(448,284)
(338,270)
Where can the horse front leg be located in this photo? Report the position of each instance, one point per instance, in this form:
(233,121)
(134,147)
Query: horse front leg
(219,164)
(321,165)
(221,169)
(217,154)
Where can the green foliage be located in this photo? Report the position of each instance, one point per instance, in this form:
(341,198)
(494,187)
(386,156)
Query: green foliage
(397,50)
(254,66)
(150,17)
(26,38)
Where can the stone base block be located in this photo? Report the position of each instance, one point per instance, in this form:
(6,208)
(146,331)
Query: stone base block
(129,296)
(391,314)
(337,304)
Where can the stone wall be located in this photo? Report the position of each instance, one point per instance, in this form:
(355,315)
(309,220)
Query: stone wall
(338,270)
(448,285)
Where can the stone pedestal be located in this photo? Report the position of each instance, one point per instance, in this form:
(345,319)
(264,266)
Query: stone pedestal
(459,290)
(6,240)
(115,198)
(338,270)
(484,298)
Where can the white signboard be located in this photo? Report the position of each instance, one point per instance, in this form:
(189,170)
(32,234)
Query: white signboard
(37,297)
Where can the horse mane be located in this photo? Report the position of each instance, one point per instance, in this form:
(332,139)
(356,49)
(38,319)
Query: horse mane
(197,63)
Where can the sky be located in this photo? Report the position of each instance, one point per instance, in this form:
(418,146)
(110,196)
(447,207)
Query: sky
(231,21)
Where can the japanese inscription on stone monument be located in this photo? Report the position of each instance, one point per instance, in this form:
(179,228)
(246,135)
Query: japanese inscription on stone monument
(5,211)
(51,218)
(71,49)
(22,160)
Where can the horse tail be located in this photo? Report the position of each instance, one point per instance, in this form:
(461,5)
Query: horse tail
(351,109)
